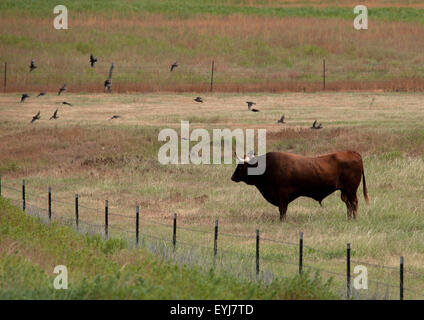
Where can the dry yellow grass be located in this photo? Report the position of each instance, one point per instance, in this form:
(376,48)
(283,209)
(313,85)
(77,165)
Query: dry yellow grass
(251,53)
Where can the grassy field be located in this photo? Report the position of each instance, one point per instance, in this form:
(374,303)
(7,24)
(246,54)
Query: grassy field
(83,152)
(256,45)
(30,250)
(373,104)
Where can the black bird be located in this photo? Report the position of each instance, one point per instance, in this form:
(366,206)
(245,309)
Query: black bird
(114,117)
(174,65)
(199,99)
(54,116)
(41,94)
(24,96)
(32,66)
(62,89)
(67,103)
(92,60)
(282,119)
(315,126)
(108,81)
(36,117)
(108,85)
(249,106)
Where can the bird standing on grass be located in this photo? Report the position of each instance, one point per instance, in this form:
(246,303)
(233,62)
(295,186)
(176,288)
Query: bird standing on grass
(54,116)
(315,126)
(62,89)
(92,60)
(36,117)
(32,66)
(199,99)
(41,94)
(174,65)
(282,119)
(24,97)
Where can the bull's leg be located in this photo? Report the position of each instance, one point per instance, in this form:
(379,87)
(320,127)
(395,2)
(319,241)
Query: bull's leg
(348,205)
(283,210)
(353,200)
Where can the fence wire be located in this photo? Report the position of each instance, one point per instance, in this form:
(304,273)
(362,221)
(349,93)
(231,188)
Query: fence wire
(221,252)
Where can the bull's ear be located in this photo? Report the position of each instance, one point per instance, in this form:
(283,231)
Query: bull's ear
(251,154)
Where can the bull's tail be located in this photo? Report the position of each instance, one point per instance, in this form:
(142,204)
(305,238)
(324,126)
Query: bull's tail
(364,186)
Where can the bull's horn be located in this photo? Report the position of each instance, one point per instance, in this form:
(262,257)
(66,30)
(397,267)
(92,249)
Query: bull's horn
(237,157)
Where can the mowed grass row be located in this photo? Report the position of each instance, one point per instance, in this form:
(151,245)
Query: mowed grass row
(82,152)
(255,47)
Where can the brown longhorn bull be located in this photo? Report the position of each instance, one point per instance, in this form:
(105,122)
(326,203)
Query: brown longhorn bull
(288,176)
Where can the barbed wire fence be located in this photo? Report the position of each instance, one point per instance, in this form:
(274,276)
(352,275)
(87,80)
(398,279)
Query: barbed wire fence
(244,256)
(205,76)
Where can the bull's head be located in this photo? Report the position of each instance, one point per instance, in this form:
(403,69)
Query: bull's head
(241,172)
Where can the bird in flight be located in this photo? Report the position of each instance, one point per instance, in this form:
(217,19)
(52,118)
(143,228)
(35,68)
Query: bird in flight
(282,119)
(92,60)
(67,103)
(199,99)
(62,89)
(108,85)
(174,65)
(249,106)
(24,97)
(41,94)
(108,81)
(36,117)
(114,117)
(54,116)
(315,126)
(32,66)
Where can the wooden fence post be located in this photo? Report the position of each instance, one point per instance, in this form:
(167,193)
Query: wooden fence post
(323,74)
(5,77)
(213,63)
